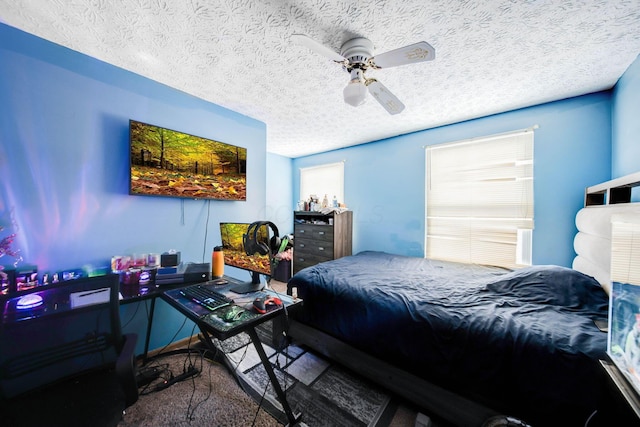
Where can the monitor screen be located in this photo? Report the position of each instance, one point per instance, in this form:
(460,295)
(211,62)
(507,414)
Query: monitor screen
(232,234)
(168,163)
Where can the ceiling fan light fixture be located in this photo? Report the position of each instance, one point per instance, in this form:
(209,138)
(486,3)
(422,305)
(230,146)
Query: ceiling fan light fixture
(356,57)
(356,91)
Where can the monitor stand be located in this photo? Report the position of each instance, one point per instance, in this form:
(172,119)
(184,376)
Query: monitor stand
(253,286)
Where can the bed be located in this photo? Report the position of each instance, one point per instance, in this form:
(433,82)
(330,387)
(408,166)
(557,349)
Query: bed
(468,342)
(522,342)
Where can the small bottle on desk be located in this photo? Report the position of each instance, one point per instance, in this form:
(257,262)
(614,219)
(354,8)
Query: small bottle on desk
(217,263)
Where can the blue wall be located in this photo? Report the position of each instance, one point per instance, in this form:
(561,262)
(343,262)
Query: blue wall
(64,166)
(279,188)
(384,180)
(626,123)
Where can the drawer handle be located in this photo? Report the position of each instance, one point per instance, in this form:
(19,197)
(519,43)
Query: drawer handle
(301,245)
(301,231)
(320,248)
(301,259)
(320,232)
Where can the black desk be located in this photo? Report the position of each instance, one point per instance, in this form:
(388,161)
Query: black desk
(211,325)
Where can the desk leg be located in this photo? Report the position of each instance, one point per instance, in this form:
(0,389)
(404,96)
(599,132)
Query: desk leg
(293,420)
(278,338)
(148,337)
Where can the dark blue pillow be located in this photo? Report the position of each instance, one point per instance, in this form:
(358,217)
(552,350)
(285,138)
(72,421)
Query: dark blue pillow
(550,284)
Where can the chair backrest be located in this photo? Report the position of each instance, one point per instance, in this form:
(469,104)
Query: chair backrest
(57,331)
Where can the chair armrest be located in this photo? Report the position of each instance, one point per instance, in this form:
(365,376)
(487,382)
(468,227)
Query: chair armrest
(126,369)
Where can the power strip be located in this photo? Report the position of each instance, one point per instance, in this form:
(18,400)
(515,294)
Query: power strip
(146,375)
(188,373)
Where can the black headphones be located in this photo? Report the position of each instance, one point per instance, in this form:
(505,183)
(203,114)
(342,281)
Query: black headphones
(253,244)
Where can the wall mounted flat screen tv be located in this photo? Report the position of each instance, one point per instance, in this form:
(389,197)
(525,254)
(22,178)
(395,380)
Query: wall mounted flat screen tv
(165,162)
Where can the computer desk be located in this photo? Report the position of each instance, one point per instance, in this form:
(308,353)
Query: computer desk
(211,325)
(149,292)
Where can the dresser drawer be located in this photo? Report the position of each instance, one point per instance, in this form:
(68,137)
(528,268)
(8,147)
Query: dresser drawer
(313,232)
(306,247)
(303,260)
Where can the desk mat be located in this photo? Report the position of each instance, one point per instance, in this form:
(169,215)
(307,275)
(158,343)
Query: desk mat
(215,318)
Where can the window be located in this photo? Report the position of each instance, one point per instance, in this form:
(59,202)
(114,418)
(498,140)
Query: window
(324,179)
(479,201)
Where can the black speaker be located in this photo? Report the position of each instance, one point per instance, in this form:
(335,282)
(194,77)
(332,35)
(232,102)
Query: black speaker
(253,244)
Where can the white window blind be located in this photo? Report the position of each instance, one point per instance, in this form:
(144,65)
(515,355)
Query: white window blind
(625,249)
(324,179)
(479,201)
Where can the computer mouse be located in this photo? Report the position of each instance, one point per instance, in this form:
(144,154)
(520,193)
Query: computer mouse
(233,314)
(268,303)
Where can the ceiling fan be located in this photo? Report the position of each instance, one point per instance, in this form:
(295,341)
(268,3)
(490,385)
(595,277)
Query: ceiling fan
(356,57)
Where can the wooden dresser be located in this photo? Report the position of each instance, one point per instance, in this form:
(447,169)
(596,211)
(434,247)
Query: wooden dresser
(319,237)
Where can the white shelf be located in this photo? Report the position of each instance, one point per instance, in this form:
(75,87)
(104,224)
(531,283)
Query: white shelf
(612,192)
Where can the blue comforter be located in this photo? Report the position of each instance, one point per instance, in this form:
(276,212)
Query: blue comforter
(523,342)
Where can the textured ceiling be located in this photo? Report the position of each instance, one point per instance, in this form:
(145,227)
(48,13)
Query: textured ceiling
(491,56)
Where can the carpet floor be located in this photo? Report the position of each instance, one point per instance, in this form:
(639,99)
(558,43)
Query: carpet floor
(210,398)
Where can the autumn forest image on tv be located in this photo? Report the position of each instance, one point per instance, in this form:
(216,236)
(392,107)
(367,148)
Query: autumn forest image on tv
(165,162)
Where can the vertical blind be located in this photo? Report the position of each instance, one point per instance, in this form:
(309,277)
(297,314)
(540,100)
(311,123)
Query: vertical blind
(479,201)
(625,249)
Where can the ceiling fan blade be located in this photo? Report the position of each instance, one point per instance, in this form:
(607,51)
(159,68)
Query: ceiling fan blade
(319,48)
(417,52)
(388,100)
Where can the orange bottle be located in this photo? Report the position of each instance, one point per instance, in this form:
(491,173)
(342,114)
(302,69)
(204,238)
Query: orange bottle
(217,263)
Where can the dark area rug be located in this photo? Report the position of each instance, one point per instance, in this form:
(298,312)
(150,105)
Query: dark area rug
(324,393)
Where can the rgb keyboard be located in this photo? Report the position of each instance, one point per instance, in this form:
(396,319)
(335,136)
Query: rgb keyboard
(206,297)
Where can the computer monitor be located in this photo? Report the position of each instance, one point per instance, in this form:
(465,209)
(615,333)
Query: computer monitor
(235,255)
